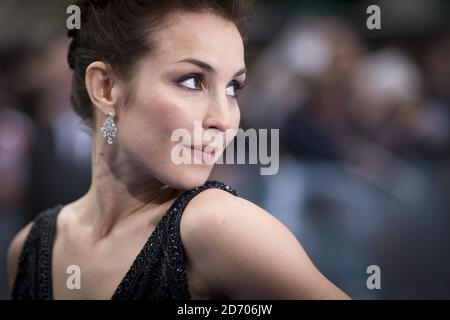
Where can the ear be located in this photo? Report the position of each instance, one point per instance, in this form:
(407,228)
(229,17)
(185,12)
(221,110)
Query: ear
(102,87)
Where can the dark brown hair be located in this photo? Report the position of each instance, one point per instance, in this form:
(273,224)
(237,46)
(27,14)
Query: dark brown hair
(120,32)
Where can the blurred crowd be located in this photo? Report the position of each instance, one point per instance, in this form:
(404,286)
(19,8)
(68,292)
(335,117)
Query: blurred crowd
(364,123)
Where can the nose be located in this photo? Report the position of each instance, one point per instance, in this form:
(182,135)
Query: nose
(220,114)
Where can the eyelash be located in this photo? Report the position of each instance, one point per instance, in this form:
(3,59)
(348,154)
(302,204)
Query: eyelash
(199,78)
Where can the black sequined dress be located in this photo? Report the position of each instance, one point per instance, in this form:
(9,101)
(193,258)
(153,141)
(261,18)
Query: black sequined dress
(158,272)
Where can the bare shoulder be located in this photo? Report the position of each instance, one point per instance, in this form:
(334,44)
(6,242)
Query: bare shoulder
(242,250)
(15,248)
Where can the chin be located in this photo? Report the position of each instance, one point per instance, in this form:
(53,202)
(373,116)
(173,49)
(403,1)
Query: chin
(187,177)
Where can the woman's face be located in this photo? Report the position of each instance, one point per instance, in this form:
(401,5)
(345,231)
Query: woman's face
(192,76)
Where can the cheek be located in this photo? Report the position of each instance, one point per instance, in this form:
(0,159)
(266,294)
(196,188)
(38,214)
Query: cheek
(149,122)
(159,114)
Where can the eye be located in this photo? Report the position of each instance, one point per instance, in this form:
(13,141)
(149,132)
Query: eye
(191,82)
(233,89)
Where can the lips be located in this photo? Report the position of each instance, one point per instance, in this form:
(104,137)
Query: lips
(204,148)
(204,152)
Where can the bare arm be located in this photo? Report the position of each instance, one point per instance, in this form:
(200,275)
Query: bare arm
(246,253)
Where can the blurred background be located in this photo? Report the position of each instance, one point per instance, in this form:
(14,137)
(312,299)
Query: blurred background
(364,119)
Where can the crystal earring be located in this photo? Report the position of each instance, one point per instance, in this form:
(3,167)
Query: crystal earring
(109,128)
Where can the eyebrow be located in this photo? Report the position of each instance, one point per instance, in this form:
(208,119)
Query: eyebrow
(207,67)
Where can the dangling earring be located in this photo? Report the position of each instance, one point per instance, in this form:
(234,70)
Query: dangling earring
(109,128)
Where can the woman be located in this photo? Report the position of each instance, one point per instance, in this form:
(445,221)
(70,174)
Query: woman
(149,228)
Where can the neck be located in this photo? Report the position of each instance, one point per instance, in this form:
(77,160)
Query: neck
(119,189)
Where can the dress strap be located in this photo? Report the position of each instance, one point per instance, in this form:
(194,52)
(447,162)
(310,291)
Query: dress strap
(33,278)
(170,238)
